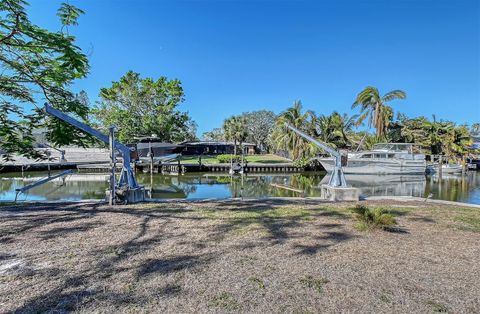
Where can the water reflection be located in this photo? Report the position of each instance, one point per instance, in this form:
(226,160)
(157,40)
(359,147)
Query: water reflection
(385,185)
(218,185)
(71,188)
(208,185)
(455,187)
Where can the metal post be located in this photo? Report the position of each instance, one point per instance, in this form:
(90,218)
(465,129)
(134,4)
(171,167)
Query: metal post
(62,158)
(111,142)
(150,154)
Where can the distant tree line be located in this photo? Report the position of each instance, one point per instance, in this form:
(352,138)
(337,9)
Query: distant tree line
(269,133)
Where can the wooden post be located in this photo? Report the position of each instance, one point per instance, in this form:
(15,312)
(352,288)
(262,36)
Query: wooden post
(440,164)
(48,162)
(150,152)
(111,144)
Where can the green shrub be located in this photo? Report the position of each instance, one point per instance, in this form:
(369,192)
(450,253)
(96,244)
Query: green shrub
(226,158)
(302,162)
(314,283)
(371,218)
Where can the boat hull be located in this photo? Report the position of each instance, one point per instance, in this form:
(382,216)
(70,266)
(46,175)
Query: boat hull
(161,151)
(445,169)
(377,166)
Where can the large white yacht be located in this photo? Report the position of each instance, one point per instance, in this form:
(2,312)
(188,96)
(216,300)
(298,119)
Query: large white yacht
(386,158)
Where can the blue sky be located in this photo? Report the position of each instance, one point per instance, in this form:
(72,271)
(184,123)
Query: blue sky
(237,56)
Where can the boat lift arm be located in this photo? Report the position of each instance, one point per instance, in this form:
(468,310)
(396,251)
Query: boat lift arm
(337,177)
(127,177)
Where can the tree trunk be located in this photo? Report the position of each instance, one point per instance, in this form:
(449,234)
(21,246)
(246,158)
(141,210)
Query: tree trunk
(235,147)
(376,119)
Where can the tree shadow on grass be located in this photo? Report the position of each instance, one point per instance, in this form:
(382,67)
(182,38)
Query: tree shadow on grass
(63,231)
(422,219)
(171,264)
(396,229)
(150,231)
(323,242)
(277,227)
(72,291)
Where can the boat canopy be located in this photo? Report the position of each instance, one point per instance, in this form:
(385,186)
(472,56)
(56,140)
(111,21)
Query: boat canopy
(394,147)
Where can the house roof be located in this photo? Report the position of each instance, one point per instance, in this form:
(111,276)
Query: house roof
(214,143)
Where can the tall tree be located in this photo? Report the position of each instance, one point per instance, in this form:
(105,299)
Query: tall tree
(259,126)
(235,130)
(216,134)
(374,106)
(287,139)
(145,107)
(409,130)
(435,137)
(475,128)
(37,66)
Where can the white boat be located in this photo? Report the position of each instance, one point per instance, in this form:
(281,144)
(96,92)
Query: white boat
(386,158)
(446,168)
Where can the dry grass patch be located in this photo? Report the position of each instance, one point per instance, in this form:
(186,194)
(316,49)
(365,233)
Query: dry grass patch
(235,256)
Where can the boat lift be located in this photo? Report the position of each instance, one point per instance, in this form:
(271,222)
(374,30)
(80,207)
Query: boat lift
(336,189)
(337,179)
(127,184)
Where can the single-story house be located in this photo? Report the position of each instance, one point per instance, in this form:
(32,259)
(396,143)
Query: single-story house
(215,148)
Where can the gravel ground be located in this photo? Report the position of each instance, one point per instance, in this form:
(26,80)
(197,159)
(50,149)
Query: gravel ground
(268,256)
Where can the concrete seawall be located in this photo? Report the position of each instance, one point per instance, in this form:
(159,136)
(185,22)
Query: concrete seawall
(97,160)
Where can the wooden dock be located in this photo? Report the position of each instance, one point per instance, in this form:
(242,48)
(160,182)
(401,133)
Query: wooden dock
(250,168)
(184,168)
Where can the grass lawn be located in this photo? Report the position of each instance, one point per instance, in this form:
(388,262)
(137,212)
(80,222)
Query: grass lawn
(266,256)
(262,159)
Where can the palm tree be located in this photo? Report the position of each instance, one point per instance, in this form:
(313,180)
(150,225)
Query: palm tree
(409,130)
(286,138)
(375,107)
(475,128)
(334,129)
(447,138)
(462,140)
(235,130)
(438,134)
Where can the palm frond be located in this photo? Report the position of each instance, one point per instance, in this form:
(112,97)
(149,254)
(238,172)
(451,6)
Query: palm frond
(394,94)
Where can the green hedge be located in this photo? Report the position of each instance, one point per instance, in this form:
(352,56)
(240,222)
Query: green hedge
(225,159)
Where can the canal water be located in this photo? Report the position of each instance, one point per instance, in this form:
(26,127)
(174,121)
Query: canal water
(82,186)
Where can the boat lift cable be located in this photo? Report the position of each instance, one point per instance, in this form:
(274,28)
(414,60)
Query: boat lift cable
(337,178)
(127,177)
(61,151)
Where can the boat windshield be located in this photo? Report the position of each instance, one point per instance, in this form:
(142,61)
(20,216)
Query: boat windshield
(395,147)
